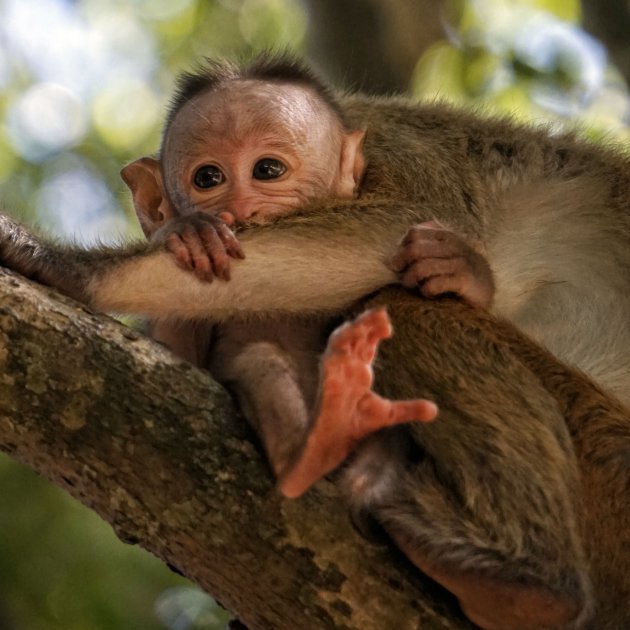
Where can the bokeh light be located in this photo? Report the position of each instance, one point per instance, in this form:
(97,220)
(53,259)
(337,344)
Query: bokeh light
(528,58)
(76,201)
(45,119)
(162,9)
(125,112)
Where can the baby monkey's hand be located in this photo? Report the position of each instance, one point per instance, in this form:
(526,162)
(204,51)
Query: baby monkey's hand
(201,243)
(438,261)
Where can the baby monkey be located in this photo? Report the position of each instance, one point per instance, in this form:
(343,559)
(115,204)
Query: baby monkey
(243,154)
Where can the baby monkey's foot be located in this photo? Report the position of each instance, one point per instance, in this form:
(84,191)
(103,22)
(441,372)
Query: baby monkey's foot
(348,408)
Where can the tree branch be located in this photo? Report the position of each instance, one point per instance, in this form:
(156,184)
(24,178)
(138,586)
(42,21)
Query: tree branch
(156,448)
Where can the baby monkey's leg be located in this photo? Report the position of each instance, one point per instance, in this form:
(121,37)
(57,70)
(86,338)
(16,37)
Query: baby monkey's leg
(347,409)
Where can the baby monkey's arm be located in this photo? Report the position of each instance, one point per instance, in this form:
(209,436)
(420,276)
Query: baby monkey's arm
(430,256)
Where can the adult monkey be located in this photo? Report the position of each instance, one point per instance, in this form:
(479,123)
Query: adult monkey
(509,549)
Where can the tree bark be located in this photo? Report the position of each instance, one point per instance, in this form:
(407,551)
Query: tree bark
(157,448)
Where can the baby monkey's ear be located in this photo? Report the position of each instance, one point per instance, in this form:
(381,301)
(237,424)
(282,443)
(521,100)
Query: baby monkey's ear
(144,179)
(351,163)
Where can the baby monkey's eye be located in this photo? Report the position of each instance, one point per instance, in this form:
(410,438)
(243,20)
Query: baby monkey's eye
(208,176)
(269,168)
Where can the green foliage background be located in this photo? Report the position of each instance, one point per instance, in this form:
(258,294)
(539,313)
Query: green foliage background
(61,567)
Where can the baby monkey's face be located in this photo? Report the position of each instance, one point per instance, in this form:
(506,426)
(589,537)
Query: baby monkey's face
(251,151)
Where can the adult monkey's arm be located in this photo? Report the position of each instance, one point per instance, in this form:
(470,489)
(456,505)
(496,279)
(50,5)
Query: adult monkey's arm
(303,264)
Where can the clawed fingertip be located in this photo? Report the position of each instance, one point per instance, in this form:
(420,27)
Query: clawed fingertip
(431,411)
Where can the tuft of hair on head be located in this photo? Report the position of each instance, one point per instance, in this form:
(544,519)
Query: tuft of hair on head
(268,66)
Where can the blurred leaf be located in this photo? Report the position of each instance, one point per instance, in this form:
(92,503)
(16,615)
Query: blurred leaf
(439,74)
(125,113)
(483,73)
(272,23)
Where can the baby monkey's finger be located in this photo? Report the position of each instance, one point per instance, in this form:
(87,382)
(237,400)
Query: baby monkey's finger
(201,263)
(423,243)
(176,246)
(216,251)
(230,241)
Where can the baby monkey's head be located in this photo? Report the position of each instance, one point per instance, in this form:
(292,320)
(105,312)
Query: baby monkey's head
(247,144)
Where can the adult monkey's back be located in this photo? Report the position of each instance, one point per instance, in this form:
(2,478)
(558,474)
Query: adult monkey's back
(552,214)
